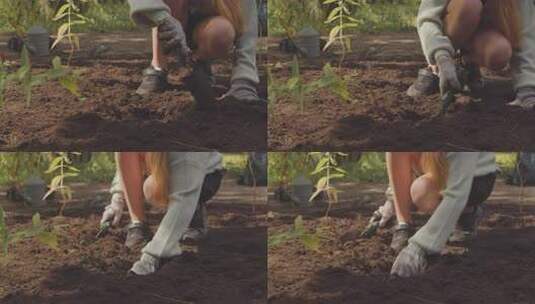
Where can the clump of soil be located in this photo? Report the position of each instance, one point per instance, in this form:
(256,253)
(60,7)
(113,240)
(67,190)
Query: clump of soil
(113,117)
(229,266)
(496,268)
(382,117)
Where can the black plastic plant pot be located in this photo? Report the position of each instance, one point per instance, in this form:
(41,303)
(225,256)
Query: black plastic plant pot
(15,44)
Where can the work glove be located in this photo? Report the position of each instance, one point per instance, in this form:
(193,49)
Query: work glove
(380,218)
(525,98)
(173,38)
(387,212)
(146,265)
(114,211)
(410,261)
(243,91)
(447,72)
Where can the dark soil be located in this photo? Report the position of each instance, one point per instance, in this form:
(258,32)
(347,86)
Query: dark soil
(112,117)
(496,268)
(382,117)
(227,267)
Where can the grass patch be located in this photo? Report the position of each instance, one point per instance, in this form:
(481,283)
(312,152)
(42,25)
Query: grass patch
(373,18)
(234,163)
(507,163)
(108,17)
(387,17)
(371,168)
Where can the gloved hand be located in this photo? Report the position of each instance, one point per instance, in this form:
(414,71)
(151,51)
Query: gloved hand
(173,38)
(525,98)
(410,261)
(447,72)
(387,212)
(146,265)
(114,211)
(242,90)
(380,218)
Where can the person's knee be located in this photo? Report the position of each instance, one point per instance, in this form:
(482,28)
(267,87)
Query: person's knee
(499,54)
(216,37)
(149,189)
(423,194)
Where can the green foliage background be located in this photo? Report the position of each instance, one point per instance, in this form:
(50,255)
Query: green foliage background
(370,168)
(107,15)
(373,15)
(15,167)
(284,16)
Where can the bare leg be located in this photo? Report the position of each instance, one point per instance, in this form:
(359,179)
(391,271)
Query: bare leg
(462,20)
(425,194)
(400,171)
(131,170)
(159,61)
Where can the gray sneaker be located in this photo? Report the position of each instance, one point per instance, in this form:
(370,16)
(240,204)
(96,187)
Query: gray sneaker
(194,234)
(426,84)
(527,104)
(153,81)
(198,228)
(467,225)
(400,237)
(137,233)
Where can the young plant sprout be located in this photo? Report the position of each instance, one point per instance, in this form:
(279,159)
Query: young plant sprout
(328,170)
(37,231)
(341,20)
(28,80)
(70,14)
(62,166)
(311,241)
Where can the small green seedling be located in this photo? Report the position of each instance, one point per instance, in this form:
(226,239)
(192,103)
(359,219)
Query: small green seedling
(28,80)
(328,170)
(311,241)
(299,89)
(37,231)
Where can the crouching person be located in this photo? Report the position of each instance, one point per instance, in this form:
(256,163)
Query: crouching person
(181,182)
(453,187)
(200,32)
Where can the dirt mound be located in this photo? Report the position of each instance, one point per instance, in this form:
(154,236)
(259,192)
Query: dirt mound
(496,268)
(382,117)
(229,266)
(113,117)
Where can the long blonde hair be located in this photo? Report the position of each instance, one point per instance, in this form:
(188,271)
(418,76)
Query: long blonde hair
(436,165)
(231,10)
(158,166)
(505,17)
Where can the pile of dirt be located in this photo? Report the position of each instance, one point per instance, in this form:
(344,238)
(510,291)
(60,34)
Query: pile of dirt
(382,117)
(229,266)
(113,117)
(496,268)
